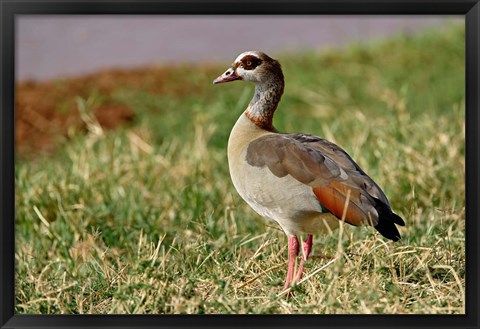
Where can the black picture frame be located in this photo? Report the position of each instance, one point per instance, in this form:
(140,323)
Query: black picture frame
(11,8)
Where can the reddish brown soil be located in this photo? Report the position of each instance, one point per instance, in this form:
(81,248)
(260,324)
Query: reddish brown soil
(47,114)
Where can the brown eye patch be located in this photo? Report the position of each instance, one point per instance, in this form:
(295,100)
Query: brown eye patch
(250,62)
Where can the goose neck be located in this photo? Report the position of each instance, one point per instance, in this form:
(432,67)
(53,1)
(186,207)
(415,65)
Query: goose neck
(264,103)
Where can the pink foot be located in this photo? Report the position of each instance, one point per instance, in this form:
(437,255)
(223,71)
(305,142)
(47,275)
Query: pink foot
(293,247)
(306,249)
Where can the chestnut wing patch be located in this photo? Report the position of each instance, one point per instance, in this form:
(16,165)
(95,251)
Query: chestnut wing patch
(334,197)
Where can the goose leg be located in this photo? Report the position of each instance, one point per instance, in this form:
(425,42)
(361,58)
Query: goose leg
(306,249)
(293,247)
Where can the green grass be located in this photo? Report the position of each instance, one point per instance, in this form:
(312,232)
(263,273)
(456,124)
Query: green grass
(145,219)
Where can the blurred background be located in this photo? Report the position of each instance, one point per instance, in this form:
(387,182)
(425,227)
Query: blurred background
(56,46)
(59,58)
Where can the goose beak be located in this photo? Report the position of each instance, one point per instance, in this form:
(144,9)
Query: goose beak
(227,76)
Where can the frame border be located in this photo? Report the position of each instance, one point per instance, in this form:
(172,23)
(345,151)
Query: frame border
(11,8)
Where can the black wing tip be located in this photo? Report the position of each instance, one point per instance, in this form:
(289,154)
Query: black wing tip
(387,220)
(388,230)
(397,219)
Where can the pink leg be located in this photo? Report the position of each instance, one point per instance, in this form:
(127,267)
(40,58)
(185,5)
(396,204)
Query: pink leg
(292,255)
(306,249)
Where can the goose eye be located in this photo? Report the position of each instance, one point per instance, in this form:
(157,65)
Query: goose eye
(251,62)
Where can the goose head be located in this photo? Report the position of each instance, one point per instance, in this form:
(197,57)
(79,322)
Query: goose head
(253,66)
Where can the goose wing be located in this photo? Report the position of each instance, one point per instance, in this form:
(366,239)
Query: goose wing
(333,176)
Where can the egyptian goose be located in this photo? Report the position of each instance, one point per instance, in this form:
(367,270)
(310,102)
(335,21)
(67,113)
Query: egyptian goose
(304,183)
